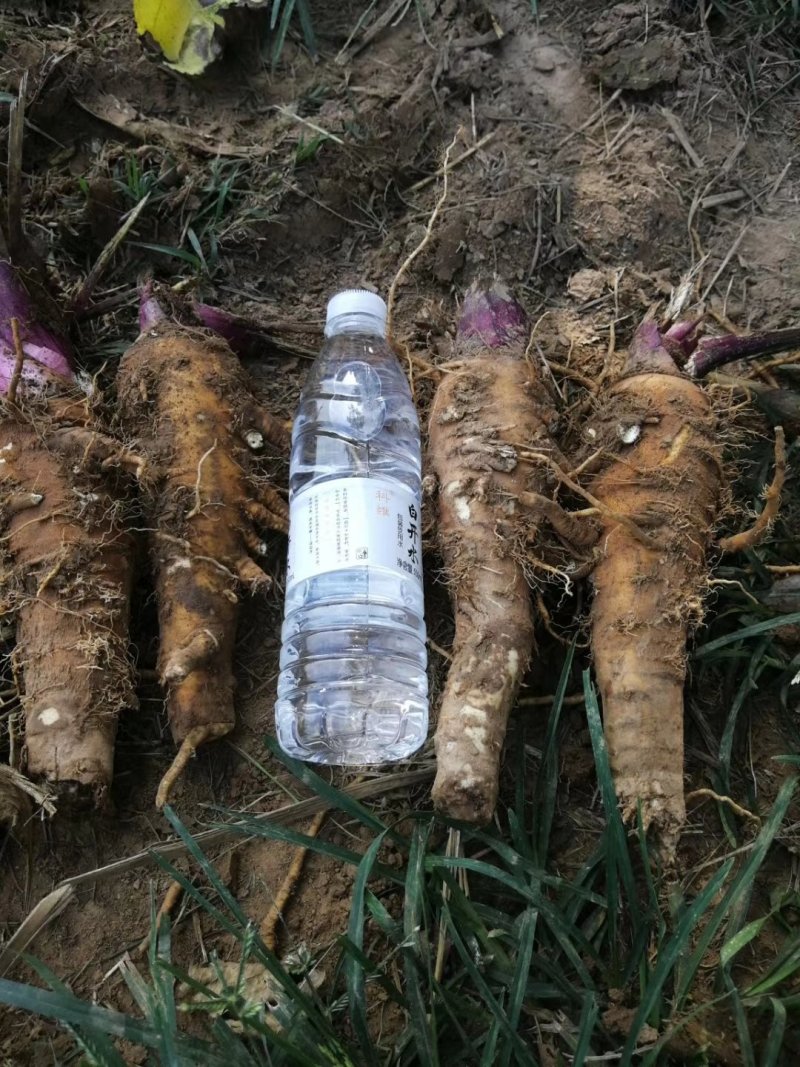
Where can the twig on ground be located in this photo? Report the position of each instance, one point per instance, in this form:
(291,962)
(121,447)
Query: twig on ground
(16,130)
(728,256)
(84,294)
(452,166)
(595,115)
(682,137)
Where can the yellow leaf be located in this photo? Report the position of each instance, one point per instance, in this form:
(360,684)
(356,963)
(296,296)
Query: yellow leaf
(182,29)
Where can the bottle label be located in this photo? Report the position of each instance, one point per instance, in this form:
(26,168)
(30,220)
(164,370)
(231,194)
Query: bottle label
(355,522)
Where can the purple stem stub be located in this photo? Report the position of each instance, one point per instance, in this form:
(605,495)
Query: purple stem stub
(150,310)
(648,353)
(47,356)
(245,337)
(491,318)
(713,352)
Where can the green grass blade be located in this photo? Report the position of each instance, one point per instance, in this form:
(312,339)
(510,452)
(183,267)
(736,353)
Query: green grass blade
(168,250)
(303,1003)
(307,26)
(545,791)
(518,1047)
(391,929)
(772,1054)
(333,796)
(740,1018)
(668,955)
(245,826)
(617,860)
(738,894)
(782,969)
(287,8)
(417,958)
(748,683)
(586,1026)
(354,969)
(756,630)
(96,1043)
(734,945)
(71,1011)
(526,935)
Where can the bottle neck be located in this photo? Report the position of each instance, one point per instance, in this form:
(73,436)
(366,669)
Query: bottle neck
(356,322)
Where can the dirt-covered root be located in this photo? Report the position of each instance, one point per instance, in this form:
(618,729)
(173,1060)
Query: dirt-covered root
(664,476)
(185,401)
(67,572)
(484,414)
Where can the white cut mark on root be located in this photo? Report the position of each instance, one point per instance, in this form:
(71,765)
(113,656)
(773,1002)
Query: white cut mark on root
(460,503)
(512,659)
(477,735)
(49,717)
(255,440)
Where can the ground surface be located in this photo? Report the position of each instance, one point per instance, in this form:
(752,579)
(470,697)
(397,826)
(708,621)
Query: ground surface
(276,188)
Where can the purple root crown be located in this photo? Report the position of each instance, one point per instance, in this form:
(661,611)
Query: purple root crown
(648,352)
(150,310)
(46,355)
(491,317)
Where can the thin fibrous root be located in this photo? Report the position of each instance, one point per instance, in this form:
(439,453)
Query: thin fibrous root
(737,809)
(203,644)
(391,297)
(201,735)
(772,502)
(269,924)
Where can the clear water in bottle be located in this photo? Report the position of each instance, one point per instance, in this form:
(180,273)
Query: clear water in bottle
(353,687)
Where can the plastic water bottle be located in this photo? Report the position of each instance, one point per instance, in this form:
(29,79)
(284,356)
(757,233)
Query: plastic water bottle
(353,687)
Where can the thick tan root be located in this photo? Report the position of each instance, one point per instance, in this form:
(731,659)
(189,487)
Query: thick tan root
(67,577)
(480,413)
(184,399)
(646,600)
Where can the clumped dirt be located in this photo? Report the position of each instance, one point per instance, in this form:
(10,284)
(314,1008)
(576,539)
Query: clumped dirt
(614,149)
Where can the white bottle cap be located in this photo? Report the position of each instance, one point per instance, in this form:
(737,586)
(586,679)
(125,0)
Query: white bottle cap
(356,302)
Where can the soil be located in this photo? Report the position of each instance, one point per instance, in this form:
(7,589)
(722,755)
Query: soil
(317,175)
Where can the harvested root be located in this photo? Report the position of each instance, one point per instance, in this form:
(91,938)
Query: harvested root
(490,508)
(67,578)
(65,571)
(184,399)
(663,472)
